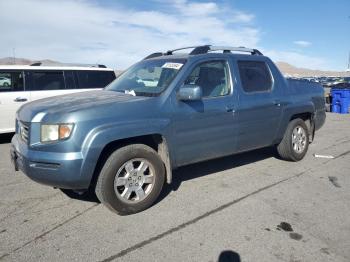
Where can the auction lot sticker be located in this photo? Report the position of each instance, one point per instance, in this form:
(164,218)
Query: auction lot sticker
(175,66)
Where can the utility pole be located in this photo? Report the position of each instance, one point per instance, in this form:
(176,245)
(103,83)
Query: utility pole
(348,69)
(14,55)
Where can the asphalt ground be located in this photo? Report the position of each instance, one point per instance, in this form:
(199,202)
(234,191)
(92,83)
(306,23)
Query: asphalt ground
(246,207)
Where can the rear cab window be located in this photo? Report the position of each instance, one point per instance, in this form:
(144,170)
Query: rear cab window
(255,76)
(11,81)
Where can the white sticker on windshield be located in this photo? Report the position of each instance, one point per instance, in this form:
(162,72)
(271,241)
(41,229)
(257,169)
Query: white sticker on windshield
(175,66)
(130,92)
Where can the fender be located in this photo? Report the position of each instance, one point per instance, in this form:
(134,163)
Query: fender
(99,137)
(289,111)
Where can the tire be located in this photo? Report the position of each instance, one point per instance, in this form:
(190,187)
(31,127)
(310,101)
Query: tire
(123,176)
(6,84)
(288,147)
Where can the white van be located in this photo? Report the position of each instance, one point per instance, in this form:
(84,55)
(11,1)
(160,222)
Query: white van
(21,84)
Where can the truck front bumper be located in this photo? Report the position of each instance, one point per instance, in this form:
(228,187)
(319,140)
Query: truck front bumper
(62,170)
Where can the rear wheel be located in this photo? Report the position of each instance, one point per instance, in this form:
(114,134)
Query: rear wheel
(131,179)
(295,142)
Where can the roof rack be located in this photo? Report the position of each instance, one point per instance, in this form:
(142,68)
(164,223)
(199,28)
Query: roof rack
(204,49)
(228,49)
(67,64)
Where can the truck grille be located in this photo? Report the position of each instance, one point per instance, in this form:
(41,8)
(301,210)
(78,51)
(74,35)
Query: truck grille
(23,131)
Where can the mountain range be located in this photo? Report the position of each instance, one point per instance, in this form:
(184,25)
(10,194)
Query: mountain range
(286,69)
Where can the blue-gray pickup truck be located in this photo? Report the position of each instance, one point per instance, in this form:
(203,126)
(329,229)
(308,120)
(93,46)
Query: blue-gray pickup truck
(169,110)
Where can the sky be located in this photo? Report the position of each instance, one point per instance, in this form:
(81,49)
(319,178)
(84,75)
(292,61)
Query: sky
(312,34)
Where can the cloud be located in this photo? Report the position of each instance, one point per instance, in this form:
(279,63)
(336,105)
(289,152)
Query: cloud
(302,43)
(86,32)
(195,8)
(242,17)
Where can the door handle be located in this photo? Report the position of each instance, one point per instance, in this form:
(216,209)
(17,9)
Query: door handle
(20,99)
(229,110)
(277,103)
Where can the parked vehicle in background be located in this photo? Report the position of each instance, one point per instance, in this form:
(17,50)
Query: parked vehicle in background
(4,82)
(22,84)
(164,112)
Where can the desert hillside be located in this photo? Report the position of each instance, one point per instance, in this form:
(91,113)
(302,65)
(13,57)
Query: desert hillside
(286,69)
(290,70)
(47,62)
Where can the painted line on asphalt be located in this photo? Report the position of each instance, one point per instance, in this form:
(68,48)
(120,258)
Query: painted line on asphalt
(47,232)
(195,220)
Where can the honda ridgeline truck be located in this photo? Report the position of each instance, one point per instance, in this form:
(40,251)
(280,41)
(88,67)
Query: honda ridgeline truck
(166,111)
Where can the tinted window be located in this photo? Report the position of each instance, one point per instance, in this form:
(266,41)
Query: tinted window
(47,80)
(69,79)
(255,76)
(94,79)
(212,77)
(11,81)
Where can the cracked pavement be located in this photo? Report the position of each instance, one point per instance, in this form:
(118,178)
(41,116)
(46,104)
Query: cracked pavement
(235,204)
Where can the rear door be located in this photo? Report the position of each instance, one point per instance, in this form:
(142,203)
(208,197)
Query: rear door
(12,96)
(259,109)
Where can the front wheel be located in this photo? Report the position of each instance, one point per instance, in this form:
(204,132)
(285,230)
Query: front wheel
(131,179)
(295,142)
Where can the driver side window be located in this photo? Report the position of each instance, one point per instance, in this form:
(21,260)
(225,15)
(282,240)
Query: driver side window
(212,77)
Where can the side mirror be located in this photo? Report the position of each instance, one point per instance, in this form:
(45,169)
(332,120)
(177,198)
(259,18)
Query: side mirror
(189,93)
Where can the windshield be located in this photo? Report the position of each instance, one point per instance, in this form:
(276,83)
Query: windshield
(148,78)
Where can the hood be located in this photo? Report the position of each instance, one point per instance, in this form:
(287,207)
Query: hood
(70,103)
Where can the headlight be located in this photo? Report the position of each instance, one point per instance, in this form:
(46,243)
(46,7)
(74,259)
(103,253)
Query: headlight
(50,133)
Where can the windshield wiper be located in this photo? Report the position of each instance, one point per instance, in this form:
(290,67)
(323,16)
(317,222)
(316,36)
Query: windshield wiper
(146,94)
(136,93)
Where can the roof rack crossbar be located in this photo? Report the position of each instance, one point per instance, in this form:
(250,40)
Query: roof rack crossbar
(153,55)
(200,50)
(170,52)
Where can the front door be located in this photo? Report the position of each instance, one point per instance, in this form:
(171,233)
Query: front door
(204,129)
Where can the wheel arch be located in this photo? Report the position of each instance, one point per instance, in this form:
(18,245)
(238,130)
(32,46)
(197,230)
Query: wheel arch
(156,141)
(302,111)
